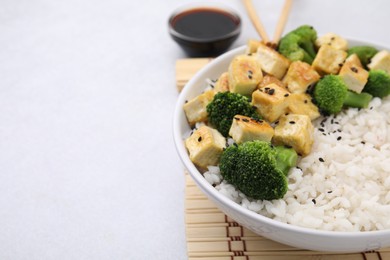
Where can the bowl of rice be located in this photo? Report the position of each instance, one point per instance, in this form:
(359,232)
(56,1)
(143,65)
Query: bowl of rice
(338,196)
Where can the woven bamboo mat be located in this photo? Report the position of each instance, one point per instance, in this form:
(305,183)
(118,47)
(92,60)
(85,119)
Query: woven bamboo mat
(212,235)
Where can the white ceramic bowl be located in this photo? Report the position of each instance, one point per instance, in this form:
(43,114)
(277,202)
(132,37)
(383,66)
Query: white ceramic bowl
(296,236)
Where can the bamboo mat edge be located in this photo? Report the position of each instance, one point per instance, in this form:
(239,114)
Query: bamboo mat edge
(212,235)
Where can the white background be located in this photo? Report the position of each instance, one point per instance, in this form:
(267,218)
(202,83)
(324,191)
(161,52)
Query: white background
(88,168)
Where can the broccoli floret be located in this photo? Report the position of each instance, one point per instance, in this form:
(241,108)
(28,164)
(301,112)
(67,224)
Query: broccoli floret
(378,83)
(257,170)
(365,53)
(331,94)
(299,44)
(225,106)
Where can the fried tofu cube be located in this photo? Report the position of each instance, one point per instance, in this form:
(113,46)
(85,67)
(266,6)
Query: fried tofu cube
(329,60)
(251,46)
(205,146)
(300,76)
(244,74)
(245,129)
(271,101)
(195,109)
(381,61)
(353,59)
(268,79)
(353,74)
(222,84)
(301,104)
(272,62)
(332,40)
(296,131)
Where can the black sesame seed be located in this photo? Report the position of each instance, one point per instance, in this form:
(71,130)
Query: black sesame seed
(286,114)
(286,95)
(354,69)
(339,138)
(323,134)
(199,139)
(266,88)
(305,101)
(340,64)
(330,191)
(339,130)
(314,201)
(371,108)
(186,101)
(271,91)
(292,122)
(276,122)
(362,142)
(321,129)
(321,159)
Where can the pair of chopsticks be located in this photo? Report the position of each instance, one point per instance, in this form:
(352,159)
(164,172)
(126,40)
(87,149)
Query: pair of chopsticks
(259,26)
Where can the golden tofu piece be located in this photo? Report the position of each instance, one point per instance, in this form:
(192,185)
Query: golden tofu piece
(296,131)
(245,129)
(300,76)
(271,101)
(381,61)
(195,109)
(251,46)
(272,62)
(222,84)
(268,79)
(332,40)
(244,74)
(301,104)
(329,60)
(205,146)
(354,76)
(353,59)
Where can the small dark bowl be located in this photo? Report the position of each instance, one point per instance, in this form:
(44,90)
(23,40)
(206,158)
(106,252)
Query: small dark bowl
(212,45)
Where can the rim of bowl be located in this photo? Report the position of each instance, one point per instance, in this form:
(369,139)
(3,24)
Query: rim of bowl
(211,191)
(195,6)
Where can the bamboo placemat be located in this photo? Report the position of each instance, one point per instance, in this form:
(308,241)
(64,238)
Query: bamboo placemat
(212,235)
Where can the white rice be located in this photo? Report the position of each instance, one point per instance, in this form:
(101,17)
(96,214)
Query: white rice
(349,190)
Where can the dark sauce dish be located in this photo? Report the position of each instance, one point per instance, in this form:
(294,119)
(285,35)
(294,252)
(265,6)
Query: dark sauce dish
(205,30)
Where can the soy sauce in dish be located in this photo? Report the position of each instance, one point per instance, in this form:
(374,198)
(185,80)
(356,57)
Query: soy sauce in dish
(205,23)
(205,31)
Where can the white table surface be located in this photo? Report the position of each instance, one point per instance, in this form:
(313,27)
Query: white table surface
(88,168)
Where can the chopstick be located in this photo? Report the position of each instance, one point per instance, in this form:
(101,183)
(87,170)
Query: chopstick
(255,19)
(282,20)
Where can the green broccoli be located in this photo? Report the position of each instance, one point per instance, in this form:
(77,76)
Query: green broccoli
(378,83)
(299,44)
(331,94)
(365,53)
(225,106)
(257,169)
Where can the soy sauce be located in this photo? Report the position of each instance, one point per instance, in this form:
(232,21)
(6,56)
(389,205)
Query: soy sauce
(205,31)
(205,24)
